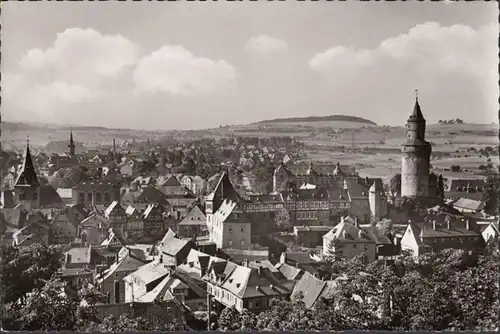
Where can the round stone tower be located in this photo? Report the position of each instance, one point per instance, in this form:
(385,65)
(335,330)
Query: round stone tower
(416,157)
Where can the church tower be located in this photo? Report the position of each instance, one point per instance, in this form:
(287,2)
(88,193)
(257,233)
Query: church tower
(416,157)
(71,144)
(27,186)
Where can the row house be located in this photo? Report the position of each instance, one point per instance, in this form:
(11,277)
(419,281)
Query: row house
(243,287)
(433,237)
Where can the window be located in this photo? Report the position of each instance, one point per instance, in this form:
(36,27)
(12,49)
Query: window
(242,229)
(230,242)
(81,196)
(98,197)
(242,242)
(257,304)
(89,197)
(22,196)
(107,197)
(230,230)
(35,196)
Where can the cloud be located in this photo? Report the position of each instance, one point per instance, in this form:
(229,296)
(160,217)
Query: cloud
(450,49)
(456,61)
(82,56)
(265,45)
(177,71)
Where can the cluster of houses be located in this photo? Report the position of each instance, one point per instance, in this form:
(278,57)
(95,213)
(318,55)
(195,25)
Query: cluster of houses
(160,240)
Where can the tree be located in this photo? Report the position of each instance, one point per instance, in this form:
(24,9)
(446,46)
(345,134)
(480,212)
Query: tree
(456,168)
(440,188)
(491,194)
(395,185)
(25,269)
(69,177)
(229,320)
(264,180)
(51,308)
(282,219)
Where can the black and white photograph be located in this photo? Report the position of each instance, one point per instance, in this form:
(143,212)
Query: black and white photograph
(249,166)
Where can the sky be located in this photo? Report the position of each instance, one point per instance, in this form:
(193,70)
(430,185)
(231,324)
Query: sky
(194,65)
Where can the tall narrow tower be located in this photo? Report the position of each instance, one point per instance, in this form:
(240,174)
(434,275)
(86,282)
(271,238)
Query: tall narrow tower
(114,149)
(416,157)
(71,144)
(27,186)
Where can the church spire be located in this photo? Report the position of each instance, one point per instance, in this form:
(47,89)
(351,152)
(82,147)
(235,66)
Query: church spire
(71,144)
(417,112)
(27,176)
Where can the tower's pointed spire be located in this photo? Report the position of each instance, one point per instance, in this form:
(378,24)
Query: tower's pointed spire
(417,112)
(71,144)
(27,176)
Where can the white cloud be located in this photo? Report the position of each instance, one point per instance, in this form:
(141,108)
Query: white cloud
(453,48)
(265,45)
(82,56)
(177,71)
(457,61)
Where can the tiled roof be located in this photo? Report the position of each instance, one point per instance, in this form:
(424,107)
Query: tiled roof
(239,255)
(114,208)
(167,237)
(150,272)
(127,264)
(357,188)
(310,287)
(151,194)
(426,230)
(297,257)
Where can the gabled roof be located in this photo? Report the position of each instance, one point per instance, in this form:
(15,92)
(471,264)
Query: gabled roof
(152,208)
(126,264)
(172,181)
(194,217)
(27,176)
(151,194)
(348,232)
(112,239)
(224,190)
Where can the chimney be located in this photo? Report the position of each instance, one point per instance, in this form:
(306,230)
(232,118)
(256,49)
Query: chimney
(68,258)
(448,224)
(356,222)
(271,287)
(161,258)
(434,225)
(245,263)
(315,275)
(467,224)
(297,265)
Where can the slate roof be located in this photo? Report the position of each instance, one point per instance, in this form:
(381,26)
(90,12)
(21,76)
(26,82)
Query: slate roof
(310,287)
(150,195)
(173,246)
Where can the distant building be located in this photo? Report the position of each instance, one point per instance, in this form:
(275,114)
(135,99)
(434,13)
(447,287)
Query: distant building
(96,193)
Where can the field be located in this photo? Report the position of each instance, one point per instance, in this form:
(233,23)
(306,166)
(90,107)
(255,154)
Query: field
(321,139)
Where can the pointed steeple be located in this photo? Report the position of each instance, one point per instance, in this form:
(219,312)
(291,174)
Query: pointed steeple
(71,144)
(417,112)
(27,177)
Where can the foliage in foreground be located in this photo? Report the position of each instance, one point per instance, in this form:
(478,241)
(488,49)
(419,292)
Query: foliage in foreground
(446,291)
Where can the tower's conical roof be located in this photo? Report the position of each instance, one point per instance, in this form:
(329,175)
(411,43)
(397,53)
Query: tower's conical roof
(417,112)
(27,176)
